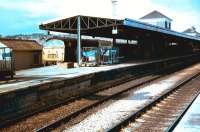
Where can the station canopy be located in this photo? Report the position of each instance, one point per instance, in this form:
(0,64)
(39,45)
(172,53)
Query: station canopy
(104,27)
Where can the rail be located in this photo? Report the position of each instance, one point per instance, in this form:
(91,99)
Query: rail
(118,126)
(175,123)
(175,62)
(53,125)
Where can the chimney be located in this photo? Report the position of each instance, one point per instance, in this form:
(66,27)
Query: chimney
(114,8)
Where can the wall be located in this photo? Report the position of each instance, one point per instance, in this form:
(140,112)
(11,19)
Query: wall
(158,22)
(25,59)
(53,54)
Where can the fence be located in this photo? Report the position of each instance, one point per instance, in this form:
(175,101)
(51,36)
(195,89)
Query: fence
(6,62)
(101,55)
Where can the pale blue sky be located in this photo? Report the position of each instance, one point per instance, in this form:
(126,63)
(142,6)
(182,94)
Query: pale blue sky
(24,16)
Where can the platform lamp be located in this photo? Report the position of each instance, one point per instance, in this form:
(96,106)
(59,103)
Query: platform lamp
(114,33)
(114,30)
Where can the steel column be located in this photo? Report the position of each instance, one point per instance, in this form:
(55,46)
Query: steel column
(114,40)
(79,40)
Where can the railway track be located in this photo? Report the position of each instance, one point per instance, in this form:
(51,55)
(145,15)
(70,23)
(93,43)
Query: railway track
(79,102)
(7,123)
(163,113)
(138,80)
(55,124)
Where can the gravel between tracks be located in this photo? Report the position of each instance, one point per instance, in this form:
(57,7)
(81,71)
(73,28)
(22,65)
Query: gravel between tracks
(43,118)
(105,118)
(161,116)
(39,120)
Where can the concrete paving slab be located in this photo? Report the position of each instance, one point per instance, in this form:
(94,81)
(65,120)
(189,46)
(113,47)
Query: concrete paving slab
(36,76)
(191,120)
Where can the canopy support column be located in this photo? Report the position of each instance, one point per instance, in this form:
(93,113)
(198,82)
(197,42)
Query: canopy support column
(79,40)
(114,41)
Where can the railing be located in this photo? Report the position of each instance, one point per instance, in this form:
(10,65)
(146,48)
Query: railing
(6,61)
(109,55)
(101,55)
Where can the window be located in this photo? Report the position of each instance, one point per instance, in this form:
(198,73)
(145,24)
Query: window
(166,25)
(124,41)
(134,42)
(52,56)
(173,44)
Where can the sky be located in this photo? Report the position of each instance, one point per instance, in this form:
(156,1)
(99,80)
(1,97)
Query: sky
(24,16)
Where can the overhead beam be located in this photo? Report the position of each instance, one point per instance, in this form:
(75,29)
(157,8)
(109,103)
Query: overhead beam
(86,23)
(102,27)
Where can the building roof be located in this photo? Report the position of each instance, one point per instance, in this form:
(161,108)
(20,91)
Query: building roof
(21,45)
(155,14)
(192,30)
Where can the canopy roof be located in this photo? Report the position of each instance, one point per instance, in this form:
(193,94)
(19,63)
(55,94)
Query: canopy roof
(102,27)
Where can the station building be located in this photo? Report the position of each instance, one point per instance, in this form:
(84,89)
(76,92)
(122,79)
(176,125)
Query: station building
(142,40)
(26,53)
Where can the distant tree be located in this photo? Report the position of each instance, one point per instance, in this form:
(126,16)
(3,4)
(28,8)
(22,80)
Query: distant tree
(1,36)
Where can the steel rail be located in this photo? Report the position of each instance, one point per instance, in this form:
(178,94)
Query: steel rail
(9,122)
(64,102)
(175,123)
(53,125)
(141,74)
(136,114)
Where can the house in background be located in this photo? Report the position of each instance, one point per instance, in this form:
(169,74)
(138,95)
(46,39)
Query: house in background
(158,19)
(53,52)
(192,32)
(26,53)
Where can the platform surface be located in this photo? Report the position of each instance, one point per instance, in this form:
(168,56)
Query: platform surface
(191,120)
(36,76)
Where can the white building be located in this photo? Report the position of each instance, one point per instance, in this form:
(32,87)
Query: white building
(192,32)
(158,19)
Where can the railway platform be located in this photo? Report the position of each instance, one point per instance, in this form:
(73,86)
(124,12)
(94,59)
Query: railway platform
(37,76)
(50,74)
(191,120)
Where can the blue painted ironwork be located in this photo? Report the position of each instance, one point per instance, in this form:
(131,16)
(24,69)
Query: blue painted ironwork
(136,24)
(79,40)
